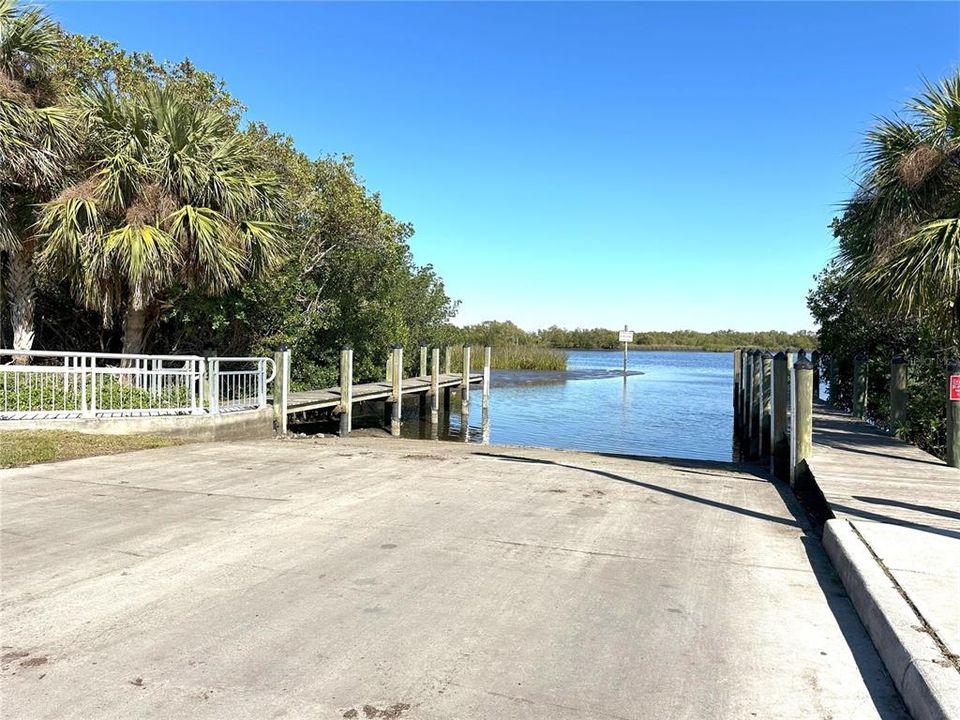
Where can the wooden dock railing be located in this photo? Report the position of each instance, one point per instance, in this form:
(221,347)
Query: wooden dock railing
(429,387)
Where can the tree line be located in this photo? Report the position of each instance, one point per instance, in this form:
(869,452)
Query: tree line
(507,333)
(894,286)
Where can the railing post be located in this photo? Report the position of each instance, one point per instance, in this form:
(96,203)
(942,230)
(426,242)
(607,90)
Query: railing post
(213,388)
(281,389)
(465,378)
(261,383)
(92,406)
(487,360)
(423,359)
(766,384)
(801,418)
(435,388)
(953,418)
(84,390)
(779,449)
(346,390)
(898,394)
(860,385)
(397,396)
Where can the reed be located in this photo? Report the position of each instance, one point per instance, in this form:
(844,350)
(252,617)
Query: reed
(514,357)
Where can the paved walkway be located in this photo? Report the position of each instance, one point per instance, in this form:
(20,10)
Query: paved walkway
(373,578)
(904,507)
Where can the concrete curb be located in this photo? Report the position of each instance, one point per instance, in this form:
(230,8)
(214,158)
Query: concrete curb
(930,688)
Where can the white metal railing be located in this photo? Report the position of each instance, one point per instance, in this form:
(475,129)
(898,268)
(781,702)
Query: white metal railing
(54,384)
(239,383)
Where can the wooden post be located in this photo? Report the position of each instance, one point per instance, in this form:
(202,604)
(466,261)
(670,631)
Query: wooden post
(953,419)
(779,448)
(447,356)
(281,388)
(744,390)
(756,369)
(801,419)
(747,396)
(423,360)
(465,378)
(625,344)
(736,389)
(898,394)
(487,353)
(346,390)
(766,383)
(435,389)
(860,385)
(815,361)
(388,404)
(397,394)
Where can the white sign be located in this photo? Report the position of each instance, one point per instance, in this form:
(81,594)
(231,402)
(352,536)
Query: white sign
(626,336)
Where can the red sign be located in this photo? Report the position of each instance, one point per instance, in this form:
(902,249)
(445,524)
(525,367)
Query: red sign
(955,387)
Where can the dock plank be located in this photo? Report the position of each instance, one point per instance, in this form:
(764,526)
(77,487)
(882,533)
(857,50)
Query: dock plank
(865,474)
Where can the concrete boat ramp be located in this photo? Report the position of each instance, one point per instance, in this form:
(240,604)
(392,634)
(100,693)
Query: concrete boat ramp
(374,578)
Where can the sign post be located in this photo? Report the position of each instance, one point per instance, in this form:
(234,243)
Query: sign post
(626,337)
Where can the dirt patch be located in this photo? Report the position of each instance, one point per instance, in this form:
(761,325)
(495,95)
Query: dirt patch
(34,661)
(422,456)
(13,655)
(556,490)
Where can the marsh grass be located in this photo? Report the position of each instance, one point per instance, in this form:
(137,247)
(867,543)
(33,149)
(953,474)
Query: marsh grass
(513,357)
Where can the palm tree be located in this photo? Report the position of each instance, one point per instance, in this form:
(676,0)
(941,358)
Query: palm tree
(36,140)
(173,197)
(900,234)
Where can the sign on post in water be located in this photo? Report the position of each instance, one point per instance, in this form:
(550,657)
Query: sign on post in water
(626,337)
(955,387)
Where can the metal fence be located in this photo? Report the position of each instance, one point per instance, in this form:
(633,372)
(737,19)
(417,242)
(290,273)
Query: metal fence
(38,384)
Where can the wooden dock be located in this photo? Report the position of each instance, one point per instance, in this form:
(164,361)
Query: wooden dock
(301,401)
(865,474)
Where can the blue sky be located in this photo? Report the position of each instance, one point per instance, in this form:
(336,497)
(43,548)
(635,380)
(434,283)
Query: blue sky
(664,165)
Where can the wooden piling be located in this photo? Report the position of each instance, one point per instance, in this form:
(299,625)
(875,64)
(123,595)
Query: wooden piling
(736,389)
(397,394)
(801,419)
(766,383)
(346,390)
(779,447)
(435,389)
(465,378)
(487,357)
(756,371)
(860,385)
(281,389)
(423,360)
(953,419)
(747,378)
(899,370)
(447,357)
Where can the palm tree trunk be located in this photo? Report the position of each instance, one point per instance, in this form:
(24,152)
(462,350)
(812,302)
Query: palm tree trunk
(23,297)
(134,323)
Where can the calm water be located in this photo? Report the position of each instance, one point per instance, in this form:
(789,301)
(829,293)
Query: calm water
(680,406)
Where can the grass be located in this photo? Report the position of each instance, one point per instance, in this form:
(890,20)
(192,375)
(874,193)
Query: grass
(28,447)
(49,392)
(514,357)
